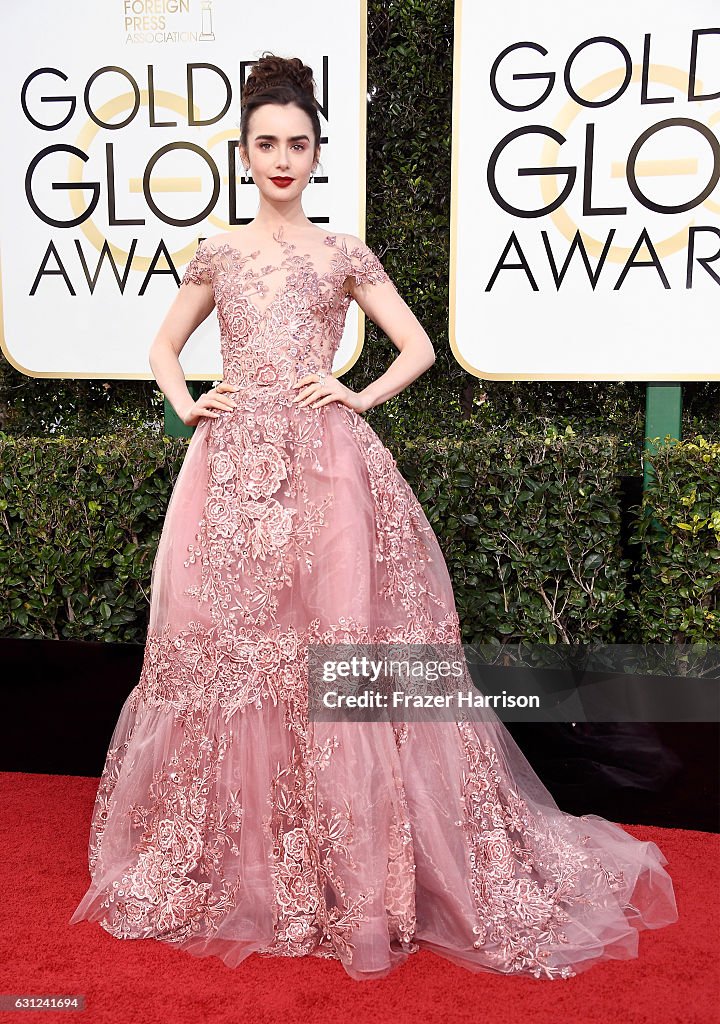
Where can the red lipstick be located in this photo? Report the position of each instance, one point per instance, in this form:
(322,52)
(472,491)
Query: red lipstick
(282,182)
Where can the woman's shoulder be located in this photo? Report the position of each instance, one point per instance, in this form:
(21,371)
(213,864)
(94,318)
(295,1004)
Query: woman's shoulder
(341,240)
(231,238)
(352,245)
(351,241)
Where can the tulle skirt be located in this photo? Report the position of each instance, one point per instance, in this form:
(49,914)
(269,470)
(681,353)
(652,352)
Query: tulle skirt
(229,821)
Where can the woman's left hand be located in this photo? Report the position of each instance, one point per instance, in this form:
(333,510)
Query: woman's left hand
(317,391)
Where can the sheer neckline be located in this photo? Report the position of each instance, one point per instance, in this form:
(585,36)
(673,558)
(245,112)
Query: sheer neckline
(277,236)
(255,277)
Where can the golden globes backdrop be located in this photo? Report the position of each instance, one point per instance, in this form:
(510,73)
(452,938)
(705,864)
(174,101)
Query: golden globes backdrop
(120,121)
(585,236)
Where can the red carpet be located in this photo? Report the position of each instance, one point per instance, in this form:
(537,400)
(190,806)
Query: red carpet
(44,842)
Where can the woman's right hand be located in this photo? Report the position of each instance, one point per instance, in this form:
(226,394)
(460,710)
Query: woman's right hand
(206,404)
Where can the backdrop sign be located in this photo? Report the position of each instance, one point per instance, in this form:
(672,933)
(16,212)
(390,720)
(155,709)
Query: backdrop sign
(121,120)
(585,236)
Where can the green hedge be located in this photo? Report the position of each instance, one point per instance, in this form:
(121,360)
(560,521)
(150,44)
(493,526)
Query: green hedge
(82,520)
(530,526)
(530,529)
(679,577)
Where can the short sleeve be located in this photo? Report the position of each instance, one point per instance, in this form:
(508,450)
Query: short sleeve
(199,270)
(366,267)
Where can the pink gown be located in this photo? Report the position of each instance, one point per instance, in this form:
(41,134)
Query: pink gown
(228,822)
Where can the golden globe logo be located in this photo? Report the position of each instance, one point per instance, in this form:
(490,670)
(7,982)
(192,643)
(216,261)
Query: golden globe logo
(574,194)
(102,204)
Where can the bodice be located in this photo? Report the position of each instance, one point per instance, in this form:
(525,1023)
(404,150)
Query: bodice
(281,320)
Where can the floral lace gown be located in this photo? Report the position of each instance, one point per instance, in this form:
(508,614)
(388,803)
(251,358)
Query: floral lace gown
(227,821)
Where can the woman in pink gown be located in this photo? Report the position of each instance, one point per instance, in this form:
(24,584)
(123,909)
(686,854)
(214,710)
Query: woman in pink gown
(227,821)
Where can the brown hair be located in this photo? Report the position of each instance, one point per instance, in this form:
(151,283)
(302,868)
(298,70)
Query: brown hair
(280,80)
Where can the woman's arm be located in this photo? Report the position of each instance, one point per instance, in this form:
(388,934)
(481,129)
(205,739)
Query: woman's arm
(191,306)
(379,299)
(386,307)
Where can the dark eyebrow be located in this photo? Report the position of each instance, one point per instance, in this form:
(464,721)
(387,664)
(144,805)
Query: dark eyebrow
(274,138)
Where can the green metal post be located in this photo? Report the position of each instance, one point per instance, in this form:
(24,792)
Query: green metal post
(663,416)
(174,426)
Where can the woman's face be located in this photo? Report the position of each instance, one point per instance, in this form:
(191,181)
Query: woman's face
(281,144)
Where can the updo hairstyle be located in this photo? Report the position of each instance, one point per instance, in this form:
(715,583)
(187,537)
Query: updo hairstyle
(280,80)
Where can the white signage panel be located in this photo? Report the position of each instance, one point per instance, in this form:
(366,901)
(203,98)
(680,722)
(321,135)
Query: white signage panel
(585,235)
(120,122)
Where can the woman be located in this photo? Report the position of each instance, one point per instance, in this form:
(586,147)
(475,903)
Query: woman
(227,820)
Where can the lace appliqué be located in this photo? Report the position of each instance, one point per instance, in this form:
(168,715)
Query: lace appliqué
(299,329)
(520,920)
(360,263)
(183,837)
(260,527)
(185,833)
(259,520)
(403,536)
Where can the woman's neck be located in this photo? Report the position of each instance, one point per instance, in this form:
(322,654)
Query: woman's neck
(275,223)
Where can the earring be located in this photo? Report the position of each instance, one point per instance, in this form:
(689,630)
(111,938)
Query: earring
(246,174)
(312,175)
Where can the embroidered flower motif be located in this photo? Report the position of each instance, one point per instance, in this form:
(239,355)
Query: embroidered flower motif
(265,656)
(220,512)
(222,467)
(295,843)
(262,470)
(298,929)
(266,374)
(270,528)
